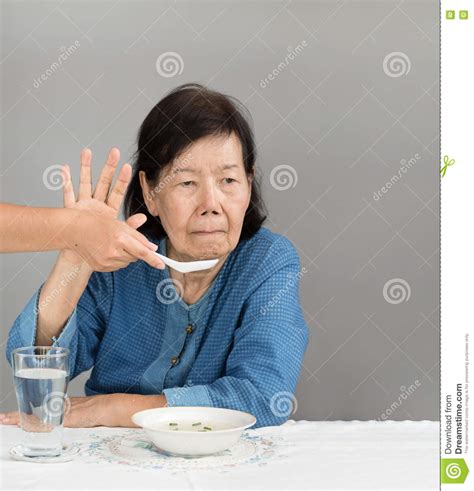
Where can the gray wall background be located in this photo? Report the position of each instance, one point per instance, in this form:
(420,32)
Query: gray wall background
(335,116)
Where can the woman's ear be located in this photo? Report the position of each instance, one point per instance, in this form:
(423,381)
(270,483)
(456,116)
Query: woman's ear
(148,194)
(251,176)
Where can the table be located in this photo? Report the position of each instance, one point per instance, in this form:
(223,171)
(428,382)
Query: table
(297,455)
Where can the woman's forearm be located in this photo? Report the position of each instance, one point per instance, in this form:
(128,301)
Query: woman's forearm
(27,229)
(59,296)
(126,405)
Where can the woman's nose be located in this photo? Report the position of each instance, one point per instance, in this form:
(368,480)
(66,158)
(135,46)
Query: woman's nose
(209,201)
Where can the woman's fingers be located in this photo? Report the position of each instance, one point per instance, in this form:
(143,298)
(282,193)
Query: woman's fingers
(12,418)
(68,189)
(31,422)
(77,414)
(85,182)
(120,187)
(107,175)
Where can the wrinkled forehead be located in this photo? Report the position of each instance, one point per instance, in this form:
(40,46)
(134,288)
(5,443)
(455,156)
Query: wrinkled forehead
(213,154)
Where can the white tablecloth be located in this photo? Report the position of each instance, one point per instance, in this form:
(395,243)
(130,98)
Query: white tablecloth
(296,455)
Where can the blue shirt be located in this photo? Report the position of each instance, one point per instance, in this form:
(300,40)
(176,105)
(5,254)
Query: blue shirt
(241,346)
(181,318)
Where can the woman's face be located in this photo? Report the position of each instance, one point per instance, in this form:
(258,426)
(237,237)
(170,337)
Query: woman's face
(201,198)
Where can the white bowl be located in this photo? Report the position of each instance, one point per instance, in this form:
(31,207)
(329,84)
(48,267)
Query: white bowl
(183,437)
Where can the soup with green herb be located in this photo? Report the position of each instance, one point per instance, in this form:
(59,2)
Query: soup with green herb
(198,426)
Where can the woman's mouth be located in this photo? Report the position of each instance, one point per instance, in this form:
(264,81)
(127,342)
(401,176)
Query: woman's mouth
(208,232)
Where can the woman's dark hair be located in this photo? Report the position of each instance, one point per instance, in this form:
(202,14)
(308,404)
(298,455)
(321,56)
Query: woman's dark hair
(186,114)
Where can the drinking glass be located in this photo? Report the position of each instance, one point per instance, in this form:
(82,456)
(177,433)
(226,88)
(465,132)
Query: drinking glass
(41,376)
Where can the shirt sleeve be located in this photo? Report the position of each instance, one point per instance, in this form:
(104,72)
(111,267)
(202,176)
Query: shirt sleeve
(264,364)
(83,330)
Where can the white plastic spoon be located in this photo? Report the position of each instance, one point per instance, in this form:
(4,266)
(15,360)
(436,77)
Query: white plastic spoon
(188,267)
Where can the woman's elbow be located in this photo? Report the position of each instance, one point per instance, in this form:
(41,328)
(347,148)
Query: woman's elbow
(269,420)
(275,410)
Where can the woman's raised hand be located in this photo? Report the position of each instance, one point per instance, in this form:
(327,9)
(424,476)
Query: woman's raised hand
(98,237)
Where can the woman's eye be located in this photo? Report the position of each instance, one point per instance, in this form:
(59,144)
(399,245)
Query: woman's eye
(187,184)
(229,180)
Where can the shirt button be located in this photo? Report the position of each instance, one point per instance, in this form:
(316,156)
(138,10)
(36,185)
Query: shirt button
(175,360)
(189,329)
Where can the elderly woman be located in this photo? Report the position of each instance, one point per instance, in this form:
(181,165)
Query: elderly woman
(232,336)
